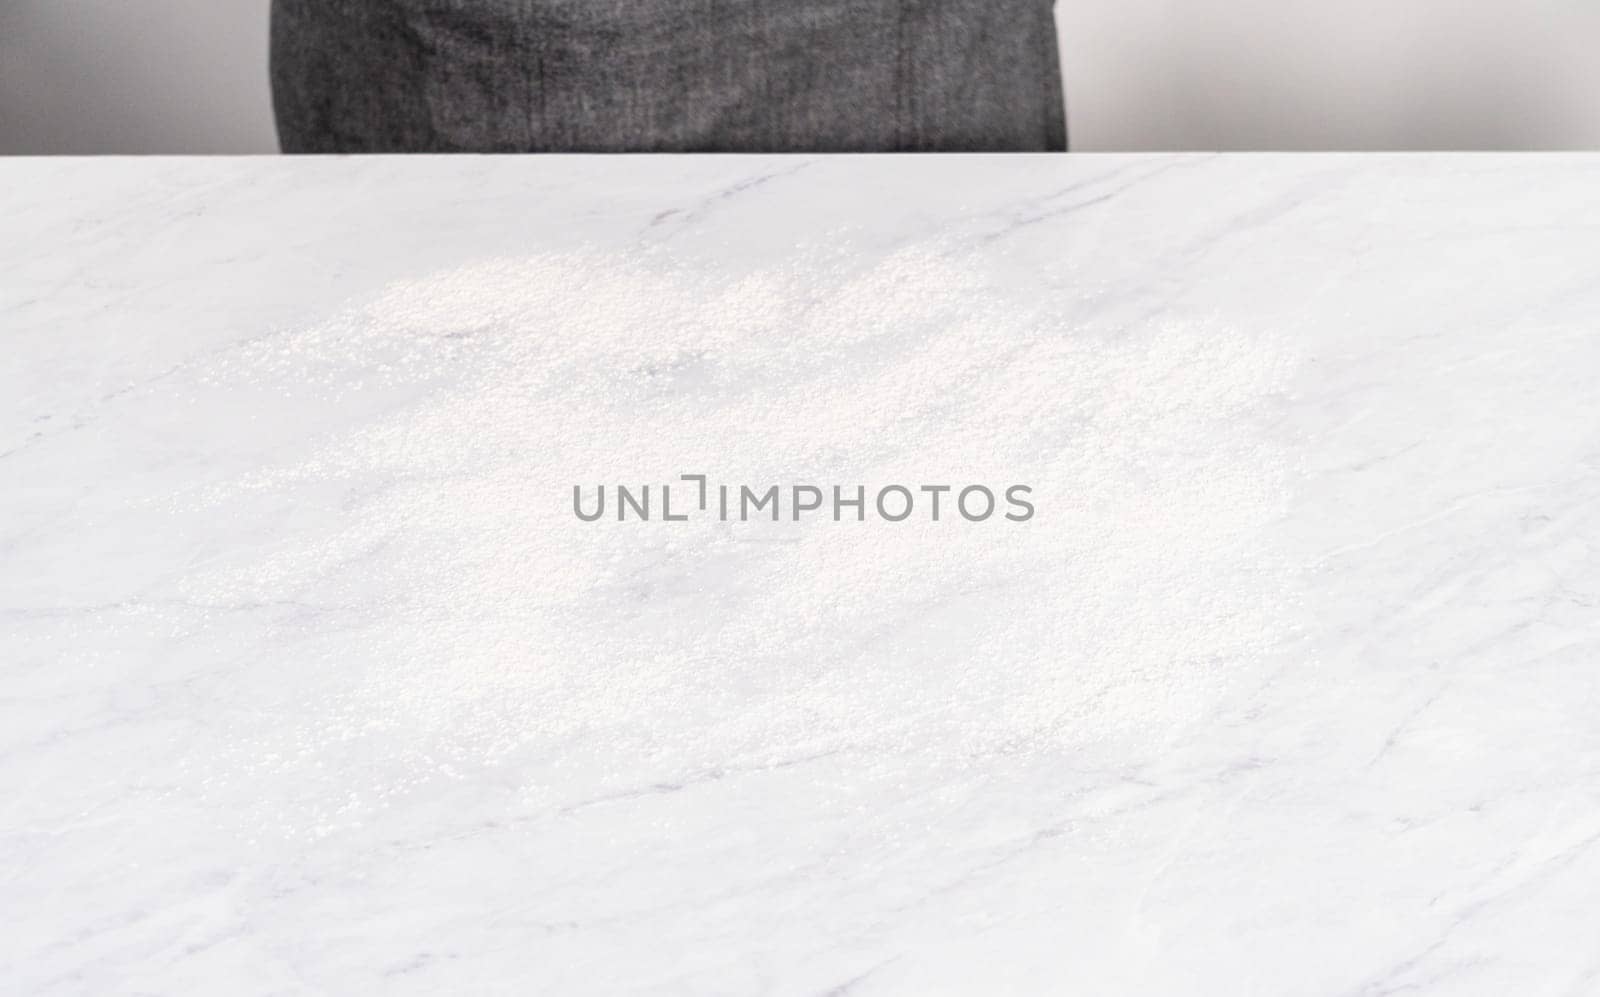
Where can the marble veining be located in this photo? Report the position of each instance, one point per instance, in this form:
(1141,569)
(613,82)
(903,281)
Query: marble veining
(314,683)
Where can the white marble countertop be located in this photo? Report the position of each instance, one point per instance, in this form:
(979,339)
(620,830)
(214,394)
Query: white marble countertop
(314,683)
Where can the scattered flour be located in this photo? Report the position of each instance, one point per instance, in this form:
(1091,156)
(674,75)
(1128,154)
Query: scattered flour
(472,621)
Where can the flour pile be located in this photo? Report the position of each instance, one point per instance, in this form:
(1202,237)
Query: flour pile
(469,620)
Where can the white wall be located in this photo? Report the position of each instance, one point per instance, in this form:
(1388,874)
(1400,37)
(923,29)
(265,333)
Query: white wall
(89,76)
(1332,74)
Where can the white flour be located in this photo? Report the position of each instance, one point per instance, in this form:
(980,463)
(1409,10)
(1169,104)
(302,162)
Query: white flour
(480,622)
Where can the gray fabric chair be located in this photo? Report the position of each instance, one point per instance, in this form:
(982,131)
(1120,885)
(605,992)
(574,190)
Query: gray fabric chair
(666,75)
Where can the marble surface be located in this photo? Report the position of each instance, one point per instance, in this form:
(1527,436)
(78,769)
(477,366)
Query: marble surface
(314,683)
